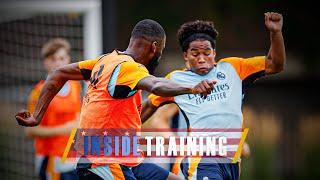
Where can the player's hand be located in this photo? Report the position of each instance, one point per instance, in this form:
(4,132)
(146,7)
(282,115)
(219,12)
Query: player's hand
(245,150)
(204,88)
(273,21)
(24,118)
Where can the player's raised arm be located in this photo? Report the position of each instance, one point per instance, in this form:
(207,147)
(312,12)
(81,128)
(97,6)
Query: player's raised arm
(277,55)
(54,82)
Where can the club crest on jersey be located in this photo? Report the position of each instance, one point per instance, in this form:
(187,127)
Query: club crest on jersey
(221,76)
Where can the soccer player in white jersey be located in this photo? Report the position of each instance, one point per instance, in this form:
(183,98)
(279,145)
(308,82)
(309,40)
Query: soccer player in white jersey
(222,108)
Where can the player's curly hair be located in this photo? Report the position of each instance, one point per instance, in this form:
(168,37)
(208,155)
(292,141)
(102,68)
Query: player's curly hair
(194,30)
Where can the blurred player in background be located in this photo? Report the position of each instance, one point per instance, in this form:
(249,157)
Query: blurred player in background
(113,99)
(51,136)
(222,108)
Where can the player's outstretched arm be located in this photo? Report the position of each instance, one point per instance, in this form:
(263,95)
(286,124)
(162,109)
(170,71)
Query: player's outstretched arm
(40,131)
(277,54)
(54,82)
(167,88)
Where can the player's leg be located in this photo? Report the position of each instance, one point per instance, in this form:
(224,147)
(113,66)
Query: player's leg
(231,170)
(85,174)
(207,171)
(199,168)
(71,175)
(51,171)
(110,171)
(49,167)
(152,171)
(175,166)
(41,163)
(67,170)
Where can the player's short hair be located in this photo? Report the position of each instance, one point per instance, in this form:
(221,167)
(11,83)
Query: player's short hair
(149,30)
(194,30)
(53,45)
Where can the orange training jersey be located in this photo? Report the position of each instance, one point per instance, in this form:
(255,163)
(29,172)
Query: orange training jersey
(111,100)
(64,107)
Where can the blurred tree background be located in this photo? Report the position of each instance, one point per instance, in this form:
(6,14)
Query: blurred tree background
(281,111)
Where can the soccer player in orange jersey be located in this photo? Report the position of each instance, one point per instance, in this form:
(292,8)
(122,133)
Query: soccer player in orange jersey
(116,81)
(51,136)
